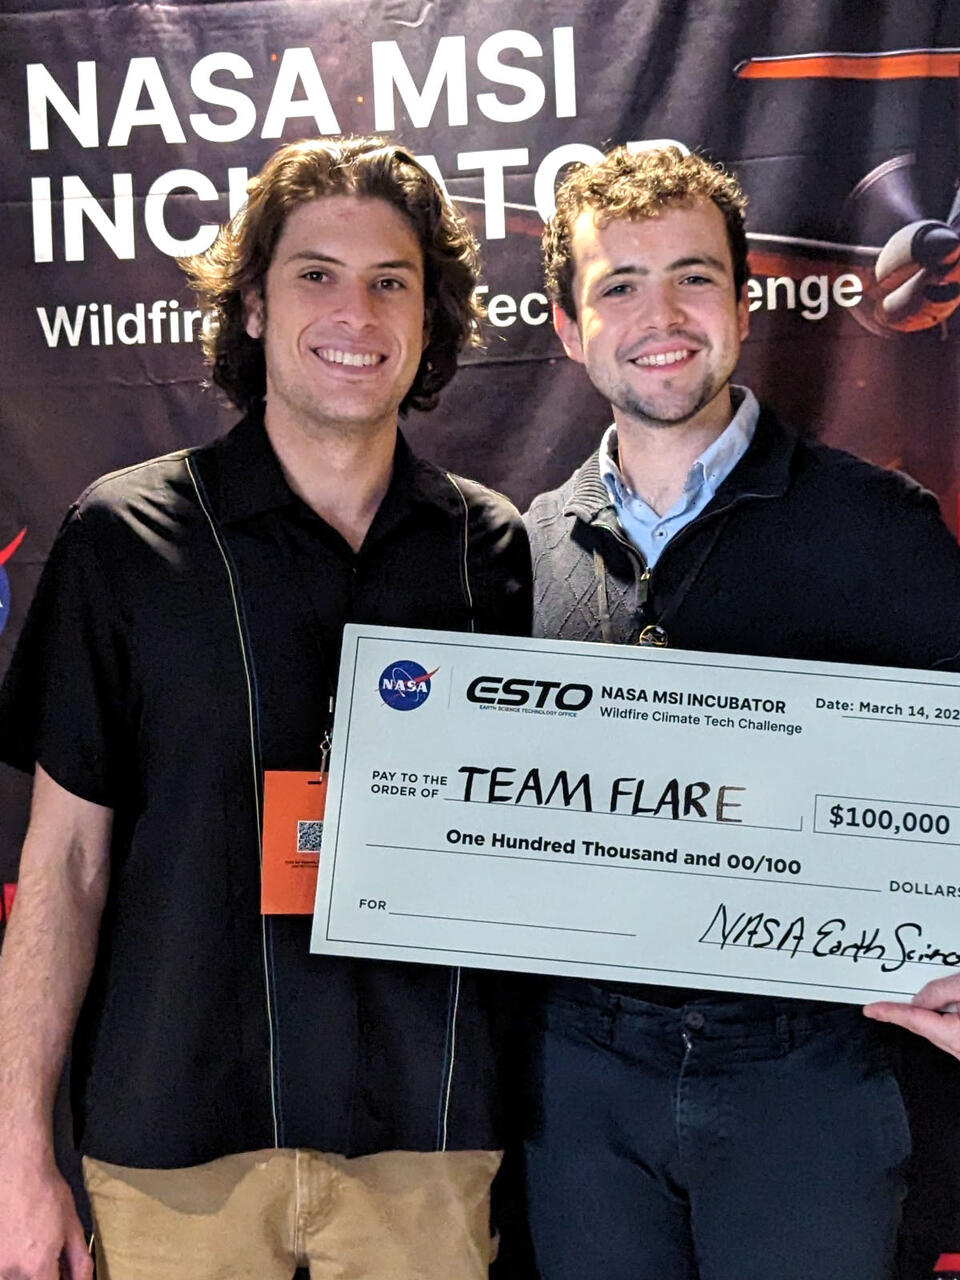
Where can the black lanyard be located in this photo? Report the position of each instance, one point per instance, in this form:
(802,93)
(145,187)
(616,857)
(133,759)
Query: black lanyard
(652,627)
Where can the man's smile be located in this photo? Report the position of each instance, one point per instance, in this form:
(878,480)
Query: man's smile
(658,359)
(354,359)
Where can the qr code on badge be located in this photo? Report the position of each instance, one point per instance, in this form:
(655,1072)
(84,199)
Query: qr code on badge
(309,835)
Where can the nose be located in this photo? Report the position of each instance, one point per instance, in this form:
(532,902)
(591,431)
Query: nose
(354,304)
(663,306)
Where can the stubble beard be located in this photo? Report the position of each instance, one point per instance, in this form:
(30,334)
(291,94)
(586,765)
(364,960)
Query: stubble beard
(657,411)
(667,407)
(319,415)
(323,416)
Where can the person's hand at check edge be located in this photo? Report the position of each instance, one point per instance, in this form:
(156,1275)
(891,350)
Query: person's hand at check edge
(932,1013)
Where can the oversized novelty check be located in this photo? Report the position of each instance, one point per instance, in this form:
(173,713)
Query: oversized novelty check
(664,816)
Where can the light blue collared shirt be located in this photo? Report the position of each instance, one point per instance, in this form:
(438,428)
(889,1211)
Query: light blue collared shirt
(650,532)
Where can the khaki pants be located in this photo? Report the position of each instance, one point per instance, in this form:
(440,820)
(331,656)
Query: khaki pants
(398,1215)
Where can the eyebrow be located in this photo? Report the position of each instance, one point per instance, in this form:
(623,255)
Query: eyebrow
(694,260)
(393,264)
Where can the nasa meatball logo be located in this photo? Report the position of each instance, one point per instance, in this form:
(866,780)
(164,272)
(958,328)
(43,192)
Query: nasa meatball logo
(404,686)
(5,554)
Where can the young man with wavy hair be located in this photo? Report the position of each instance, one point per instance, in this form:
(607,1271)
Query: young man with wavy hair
(683,1133)
(244,1107)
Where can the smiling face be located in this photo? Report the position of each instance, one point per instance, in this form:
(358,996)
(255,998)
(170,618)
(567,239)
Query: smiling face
(341,316)
(659,324)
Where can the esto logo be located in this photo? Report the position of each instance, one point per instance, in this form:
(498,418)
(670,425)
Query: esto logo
(5,554)
(496,692)
(405,685)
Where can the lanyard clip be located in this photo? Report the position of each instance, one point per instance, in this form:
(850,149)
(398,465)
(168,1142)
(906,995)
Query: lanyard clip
(325,746)
(327,742)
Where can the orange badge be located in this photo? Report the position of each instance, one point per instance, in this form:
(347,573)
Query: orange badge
(293,803)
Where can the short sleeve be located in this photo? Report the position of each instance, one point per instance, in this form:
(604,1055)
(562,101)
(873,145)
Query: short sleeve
(499,565)
(64,703)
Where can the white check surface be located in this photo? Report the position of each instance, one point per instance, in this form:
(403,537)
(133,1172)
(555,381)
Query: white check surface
(700,820)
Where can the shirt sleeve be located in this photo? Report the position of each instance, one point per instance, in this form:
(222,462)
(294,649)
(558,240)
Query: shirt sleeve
(938,563)
(924,598)
(64,703)
(499,567)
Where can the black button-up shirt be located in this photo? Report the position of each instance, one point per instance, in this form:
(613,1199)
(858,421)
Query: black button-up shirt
(185,637)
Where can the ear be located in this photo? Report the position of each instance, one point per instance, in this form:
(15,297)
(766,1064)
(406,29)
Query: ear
(568,331)
(253,313)
(743,314)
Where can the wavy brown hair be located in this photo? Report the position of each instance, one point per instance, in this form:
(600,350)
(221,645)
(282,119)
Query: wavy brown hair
(368,168)
(638,185)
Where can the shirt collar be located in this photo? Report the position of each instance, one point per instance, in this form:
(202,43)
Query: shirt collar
(244,477)
(762,472)
(713,465)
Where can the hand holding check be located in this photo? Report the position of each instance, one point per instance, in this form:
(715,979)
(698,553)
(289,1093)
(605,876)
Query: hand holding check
(932,1013)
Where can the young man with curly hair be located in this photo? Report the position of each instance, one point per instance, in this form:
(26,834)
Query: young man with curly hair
(244,1107)
(679,1133)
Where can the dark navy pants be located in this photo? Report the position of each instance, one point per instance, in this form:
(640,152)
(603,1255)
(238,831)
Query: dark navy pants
(734,1138)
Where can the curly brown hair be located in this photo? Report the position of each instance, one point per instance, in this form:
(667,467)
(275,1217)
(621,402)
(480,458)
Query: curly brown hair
(636,185)
(368,168)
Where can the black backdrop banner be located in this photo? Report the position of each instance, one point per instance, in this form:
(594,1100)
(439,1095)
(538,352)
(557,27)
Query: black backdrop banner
(128,131)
